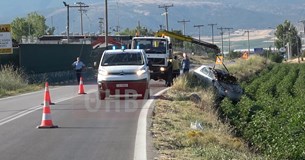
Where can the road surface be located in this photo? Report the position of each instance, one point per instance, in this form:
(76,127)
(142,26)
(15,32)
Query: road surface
(89,129)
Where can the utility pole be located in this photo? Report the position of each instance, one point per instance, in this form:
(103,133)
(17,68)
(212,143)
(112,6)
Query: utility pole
(248,42)
(166,13)
(303,21)
(221,33)
(229,38)
(68,20)
(81,9)
(101,22)
(106,24)
(139,29)
(68,24)
(184,21)
(199,26)
(117,28)
(212,25)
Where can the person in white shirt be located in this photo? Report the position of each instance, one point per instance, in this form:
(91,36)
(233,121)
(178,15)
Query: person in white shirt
(78,67)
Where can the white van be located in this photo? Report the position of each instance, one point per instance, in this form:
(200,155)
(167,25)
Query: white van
(123,73)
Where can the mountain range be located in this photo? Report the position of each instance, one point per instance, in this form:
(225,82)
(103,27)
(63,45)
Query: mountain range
(122,14)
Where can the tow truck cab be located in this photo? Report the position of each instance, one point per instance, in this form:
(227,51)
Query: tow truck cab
(159,54)
(123,73)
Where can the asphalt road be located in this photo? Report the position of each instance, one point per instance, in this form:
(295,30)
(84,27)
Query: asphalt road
(89,129)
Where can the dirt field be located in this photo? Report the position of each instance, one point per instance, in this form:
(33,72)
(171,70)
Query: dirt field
(242,35)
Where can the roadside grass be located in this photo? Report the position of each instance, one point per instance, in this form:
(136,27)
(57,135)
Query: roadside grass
(189,101)
(13,81)
(195,59)
(244,70)
(173,136)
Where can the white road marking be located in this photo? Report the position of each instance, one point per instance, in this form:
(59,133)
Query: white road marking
(33,109)
(30,93)
(140,152)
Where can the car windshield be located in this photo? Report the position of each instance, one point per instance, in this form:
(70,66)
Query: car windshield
(112,59)
(224,77)
(152,45)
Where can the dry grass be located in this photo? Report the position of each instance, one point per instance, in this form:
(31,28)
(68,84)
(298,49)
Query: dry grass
(195,59)
(13,81)
(173,137)
(244,69)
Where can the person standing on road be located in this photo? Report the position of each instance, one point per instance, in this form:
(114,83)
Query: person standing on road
(176,67)
(78,67)
(185,63)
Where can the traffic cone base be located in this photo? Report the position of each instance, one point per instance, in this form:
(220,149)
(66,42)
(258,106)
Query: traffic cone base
(50,103)
(41,127)
(81,89)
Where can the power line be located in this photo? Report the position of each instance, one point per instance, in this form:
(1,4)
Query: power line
(184,21)
(199,26)
(81,9)
(229,38)
(247,31)
(101,22)
(221,33)
(166,13)
(68,20)
(212,25)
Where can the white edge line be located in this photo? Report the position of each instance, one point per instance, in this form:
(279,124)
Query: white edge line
(30,93)
(32,109)
(140,152)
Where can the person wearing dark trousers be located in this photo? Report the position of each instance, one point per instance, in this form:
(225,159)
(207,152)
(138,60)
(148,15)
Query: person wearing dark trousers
(185,63)
(78,66)
(176,67)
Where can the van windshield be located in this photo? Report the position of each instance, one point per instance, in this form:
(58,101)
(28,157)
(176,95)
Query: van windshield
(113,59)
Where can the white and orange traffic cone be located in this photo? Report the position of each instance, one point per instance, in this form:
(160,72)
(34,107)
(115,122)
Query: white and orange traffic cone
(81,89)
(48,93)
(46,121)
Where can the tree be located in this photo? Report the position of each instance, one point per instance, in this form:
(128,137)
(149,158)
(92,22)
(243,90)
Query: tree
(50,31)
(287,33)
(37,24)
(19,28)
(33,25)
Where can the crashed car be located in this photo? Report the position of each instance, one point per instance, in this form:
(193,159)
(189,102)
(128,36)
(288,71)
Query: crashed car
(224,84)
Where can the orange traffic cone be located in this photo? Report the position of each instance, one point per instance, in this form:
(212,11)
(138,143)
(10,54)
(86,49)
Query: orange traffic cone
(48,93)
(46,121)
(81,86)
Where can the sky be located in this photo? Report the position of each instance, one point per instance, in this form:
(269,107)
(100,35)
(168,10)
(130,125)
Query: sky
(55,11)
(11,9)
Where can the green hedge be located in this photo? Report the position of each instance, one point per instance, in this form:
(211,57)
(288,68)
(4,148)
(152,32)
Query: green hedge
(271,114)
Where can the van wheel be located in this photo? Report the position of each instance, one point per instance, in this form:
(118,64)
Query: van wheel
(145,94)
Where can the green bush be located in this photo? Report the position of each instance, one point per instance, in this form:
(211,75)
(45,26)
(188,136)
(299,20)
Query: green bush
(277,58)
